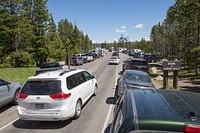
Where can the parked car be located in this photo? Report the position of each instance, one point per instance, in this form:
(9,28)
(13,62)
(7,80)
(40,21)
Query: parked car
(135,64)
(153,111)
(49,66)
(77,60)
(89,57)
(132,79)
(153,57)
(8,92)
(114,60)
(56,95)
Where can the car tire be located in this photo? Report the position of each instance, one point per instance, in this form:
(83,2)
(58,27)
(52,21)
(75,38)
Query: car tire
(15,98)
(95,90)
(78,109)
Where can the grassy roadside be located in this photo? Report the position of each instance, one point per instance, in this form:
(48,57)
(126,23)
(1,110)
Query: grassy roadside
(17,74)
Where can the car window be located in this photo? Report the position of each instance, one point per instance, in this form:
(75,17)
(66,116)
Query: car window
(133,62)
(87,75)
(80,78)
(41,87)
(71,82)
(2,83)
(118,118)
(136,77)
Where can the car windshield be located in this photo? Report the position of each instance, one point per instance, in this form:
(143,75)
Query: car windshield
(41,87)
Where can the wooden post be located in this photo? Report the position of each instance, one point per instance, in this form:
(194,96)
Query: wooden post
(175,79)
(165,79)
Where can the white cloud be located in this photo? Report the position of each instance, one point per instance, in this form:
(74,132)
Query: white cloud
(87,34)
(138,26)
(121,30)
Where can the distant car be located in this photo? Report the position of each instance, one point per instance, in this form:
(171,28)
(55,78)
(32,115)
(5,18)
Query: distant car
(135,64)
(56,95)
(132,79)
(48,66)
(115,53)
(114,60)
(155,111)
(78,60)
(153,57)
(8,92)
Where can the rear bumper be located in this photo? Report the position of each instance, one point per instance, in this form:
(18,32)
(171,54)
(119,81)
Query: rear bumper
(40,115)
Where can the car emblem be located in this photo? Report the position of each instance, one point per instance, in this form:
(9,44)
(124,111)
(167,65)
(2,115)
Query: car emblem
(38,98)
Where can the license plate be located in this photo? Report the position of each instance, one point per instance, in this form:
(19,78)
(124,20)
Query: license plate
(39,106)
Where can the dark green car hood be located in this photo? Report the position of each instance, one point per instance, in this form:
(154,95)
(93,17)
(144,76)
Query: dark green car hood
(166,109)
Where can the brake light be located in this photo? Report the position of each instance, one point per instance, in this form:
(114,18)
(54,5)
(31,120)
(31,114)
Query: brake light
(60,96)
(131,67)
(21,95)
(192,129)
(123,86)
(148,67)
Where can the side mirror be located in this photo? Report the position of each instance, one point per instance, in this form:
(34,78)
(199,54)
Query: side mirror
(111,100)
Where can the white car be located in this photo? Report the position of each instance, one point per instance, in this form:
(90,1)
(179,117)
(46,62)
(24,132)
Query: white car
(56,95)
(114,60)
(8,92)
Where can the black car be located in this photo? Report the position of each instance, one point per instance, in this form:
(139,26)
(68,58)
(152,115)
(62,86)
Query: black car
(135,64)
(48,66)
(115,53)
(153,57)
(150,110)
(133,78)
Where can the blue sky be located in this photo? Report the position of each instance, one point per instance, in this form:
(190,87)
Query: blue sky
(106,20)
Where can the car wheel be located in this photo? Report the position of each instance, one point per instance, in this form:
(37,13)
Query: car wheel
(95,90)
(78,109)
(15,98)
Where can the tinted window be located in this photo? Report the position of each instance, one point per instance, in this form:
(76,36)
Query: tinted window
(2,83)
(80,78)
(71,82)
(134,62)
(41,87)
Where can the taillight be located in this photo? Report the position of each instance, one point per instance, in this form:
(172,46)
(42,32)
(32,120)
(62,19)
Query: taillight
(60,96)
(192,129)
(131,67)
(21,95)
(123,86)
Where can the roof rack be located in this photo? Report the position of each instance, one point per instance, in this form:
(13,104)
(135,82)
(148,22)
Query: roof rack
(66,71)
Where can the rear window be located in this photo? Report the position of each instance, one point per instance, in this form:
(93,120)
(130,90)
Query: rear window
(133,62)
(137,77)
(41,87)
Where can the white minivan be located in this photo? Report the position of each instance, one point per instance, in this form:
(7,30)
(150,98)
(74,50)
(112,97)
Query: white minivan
(55,95)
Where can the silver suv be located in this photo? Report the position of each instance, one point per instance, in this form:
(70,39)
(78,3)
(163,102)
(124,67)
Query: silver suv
(8,92)
(56,95)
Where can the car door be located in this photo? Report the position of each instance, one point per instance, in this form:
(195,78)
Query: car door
(82,85)
(4,91)
(89,82)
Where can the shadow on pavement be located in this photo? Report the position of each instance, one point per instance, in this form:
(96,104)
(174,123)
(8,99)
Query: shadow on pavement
(22,124)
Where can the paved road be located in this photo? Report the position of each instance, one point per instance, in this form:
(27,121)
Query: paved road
(96,114)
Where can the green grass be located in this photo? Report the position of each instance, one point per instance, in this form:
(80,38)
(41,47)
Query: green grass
(17,74)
